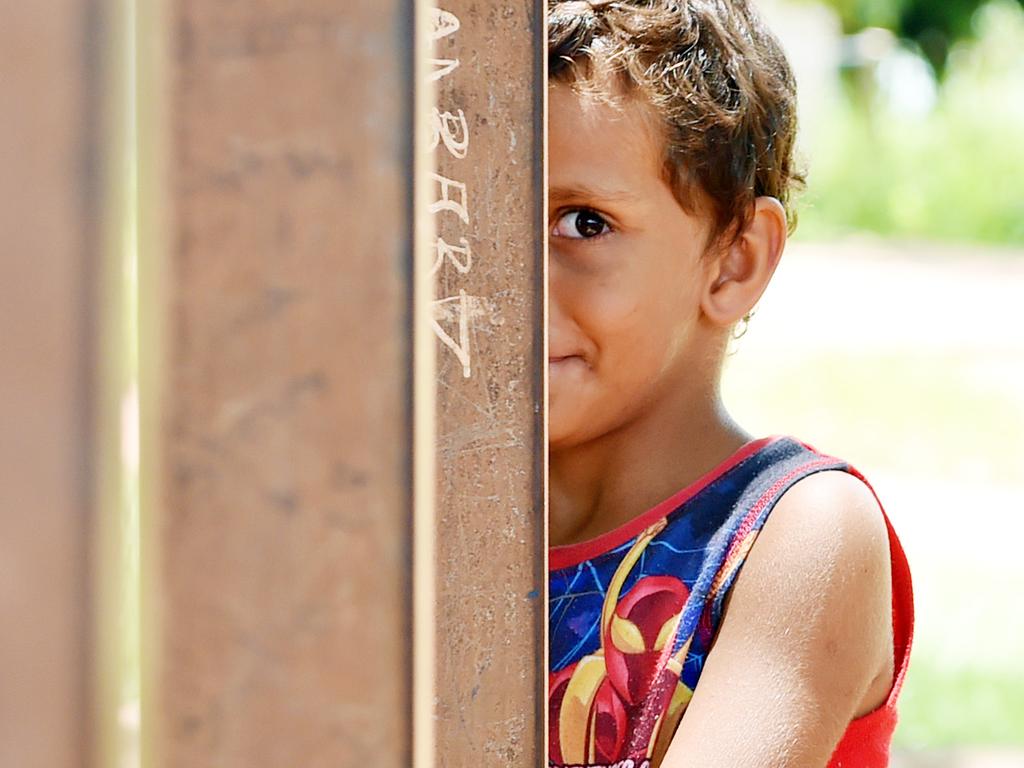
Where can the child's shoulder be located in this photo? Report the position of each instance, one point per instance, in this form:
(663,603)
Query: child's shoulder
(828,512)
(826,538)
(816,588)
(832,507)
(829,524)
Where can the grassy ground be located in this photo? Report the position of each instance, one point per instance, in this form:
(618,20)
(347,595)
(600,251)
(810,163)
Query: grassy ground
(907,360)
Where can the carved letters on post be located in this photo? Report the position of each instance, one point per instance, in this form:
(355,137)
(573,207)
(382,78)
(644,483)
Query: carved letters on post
(451,197)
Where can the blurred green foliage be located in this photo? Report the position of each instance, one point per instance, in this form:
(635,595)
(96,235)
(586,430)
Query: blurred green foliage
(934,26)
(952,173)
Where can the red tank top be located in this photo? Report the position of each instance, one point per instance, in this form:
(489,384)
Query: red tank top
(633,612)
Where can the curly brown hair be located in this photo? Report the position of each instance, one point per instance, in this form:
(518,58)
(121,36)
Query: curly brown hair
(715,76)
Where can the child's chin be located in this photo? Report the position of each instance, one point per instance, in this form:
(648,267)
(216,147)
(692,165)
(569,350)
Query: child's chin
(556,430)
(561,431)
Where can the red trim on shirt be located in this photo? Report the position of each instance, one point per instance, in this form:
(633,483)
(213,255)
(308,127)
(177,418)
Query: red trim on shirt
(565,555)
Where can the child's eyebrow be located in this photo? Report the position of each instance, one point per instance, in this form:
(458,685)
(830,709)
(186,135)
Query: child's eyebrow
(597,193)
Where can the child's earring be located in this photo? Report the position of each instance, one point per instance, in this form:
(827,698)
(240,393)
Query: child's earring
(738,330)
(745,320)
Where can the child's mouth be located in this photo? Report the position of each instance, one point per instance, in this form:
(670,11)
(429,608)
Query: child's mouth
(562,362)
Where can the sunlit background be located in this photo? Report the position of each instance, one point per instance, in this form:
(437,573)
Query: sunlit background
(890,335)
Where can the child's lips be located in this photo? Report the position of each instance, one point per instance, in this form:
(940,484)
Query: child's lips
(563,361)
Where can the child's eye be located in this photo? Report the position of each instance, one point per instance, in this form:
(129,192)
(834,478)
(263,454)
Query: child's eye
(581,223)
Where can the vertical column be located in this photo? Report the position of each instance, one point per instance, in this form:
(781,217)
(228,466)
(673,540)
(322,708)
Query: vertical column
(62,367)
(278,344)
(487,136)
(282,357)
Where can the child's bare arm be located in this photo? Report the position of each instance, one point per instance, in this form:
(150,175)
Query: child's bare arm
(805,644)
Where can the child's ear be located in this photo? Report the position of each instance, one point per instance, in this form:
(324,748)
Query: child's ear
(740,272)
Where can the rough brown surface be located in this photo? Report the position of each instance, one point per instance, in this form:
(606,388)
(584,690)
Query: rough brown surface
(282,542)
(491,577)
(48,146)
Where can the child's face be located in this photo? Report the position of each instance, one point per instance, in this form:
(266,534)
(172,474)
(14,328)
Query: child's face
(625,273)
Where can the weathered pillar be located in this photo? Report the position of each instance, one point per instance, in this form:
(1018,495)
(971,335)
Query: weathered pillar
(278,391)
(63,372)
(488,128)
(312,352)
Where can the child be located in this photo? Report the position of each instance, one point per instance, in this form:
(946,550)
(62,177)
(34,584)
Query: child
(685,550)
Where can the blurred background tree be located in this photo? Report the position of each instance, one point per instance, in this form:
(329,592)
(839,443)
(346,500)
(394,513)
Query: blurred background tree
(933,26)
(914,132)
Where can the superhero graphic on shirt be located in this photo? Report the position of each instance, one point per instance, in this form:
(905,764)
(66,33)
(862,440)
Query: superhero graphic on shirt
(619,704)
(611,705)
